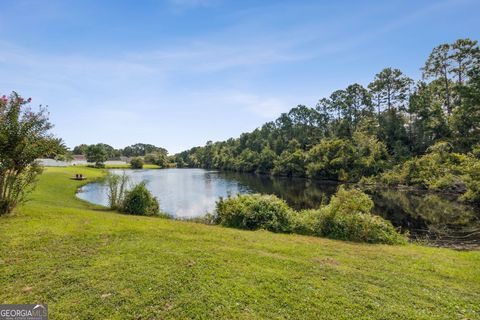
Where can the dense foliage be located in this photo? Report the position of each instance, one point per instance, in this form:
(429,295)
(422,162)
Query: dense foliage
(160,158)
(101,152)
(439,170)
(136,163)
(139,200)
(347,217)
(24,137)
(254,212)
(135,150)
(96,153)
(363,131)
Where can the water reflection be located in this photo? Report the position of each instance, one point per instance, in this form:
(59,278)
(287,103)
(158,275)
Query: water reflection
(299,193)
(429,216)
(187,193)
(183,193)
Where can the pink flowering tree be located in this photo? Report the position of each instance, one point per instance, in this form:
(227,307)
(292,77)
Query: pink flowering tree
(24,137)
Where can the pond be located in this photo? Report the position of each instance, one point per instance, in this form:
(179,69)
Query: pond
(191,193)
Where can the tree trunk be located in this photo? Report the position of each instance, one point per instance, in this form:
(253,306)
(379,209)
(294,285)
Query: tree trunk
(447,92)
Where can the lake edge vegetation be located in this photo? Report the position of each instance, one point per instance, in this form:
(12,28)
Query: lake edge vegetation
(348,216)
(130,198)
(376,134)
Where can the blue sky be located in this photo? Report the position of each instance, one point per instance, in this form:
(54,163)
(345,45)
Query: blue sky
(177,73)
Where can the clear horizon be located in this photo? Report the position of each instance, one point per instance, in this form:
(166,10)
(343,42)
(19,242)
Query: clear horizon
(178,73)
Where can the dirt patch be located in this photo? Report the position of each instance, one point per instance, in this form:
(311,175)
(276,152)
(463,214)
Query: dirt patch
(27,289)
(327,261)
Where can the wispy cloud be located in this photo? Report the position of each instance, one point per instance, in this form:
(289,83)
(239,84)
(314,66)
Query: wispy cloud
(226,50)
(264,106)
(212,56)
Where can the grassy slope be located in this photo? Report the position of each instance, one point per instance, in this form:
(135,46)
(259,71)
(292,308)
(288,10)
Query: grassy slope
(89,263)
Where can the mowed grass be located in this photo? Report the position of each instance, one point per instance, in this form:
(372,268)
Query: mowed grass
(90,263)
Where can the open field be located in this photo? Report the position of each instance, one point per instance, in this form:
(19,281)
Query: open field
(86,262)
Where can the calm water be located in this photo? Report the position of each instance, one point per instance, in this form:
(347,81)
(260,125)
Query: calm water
(188,193)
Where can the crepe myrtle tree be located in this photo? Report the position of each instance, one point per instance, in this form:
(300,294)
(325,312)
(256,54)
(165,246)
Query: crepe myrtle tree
(24,137)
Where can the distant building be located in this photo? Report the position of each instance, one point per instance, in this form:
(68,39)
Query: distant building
(80,159)
(118,160)
(52,163)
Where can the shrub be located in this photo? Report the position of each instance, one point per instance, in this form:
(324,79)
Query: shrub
(360,228)
(348,217)
(140,201)
(472,181)
(350,201)
(136,163)
(306,221)
(476,151)
(116,189)
(254,211)
(24,136)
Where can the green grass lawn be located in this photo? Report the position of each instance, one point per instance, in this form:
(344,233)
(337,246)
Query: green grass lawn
(90,263)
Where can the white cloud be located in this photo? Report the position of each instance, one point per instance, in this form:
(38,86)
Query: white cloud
(264,106)
(221,53)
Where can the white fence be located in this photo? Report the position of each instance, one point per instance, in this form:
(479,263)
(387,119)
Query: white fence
(52,163)
(57,163)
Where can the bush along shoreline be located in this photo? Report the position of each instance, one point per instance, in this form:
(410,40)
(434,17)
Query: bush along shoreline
(348,217)
(136,199)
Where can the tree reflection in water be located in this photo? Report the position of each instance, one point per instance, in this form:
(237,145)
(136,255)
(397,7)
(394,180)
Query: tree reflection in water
(430,217)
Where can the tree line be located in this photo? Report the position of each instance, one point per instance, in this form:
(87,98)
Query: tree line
(363,131)
(135,150)
(101,152)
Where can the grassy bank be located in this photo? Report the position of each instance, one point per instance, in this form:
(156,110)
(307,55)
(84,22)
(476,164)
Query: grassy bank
(89,263)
